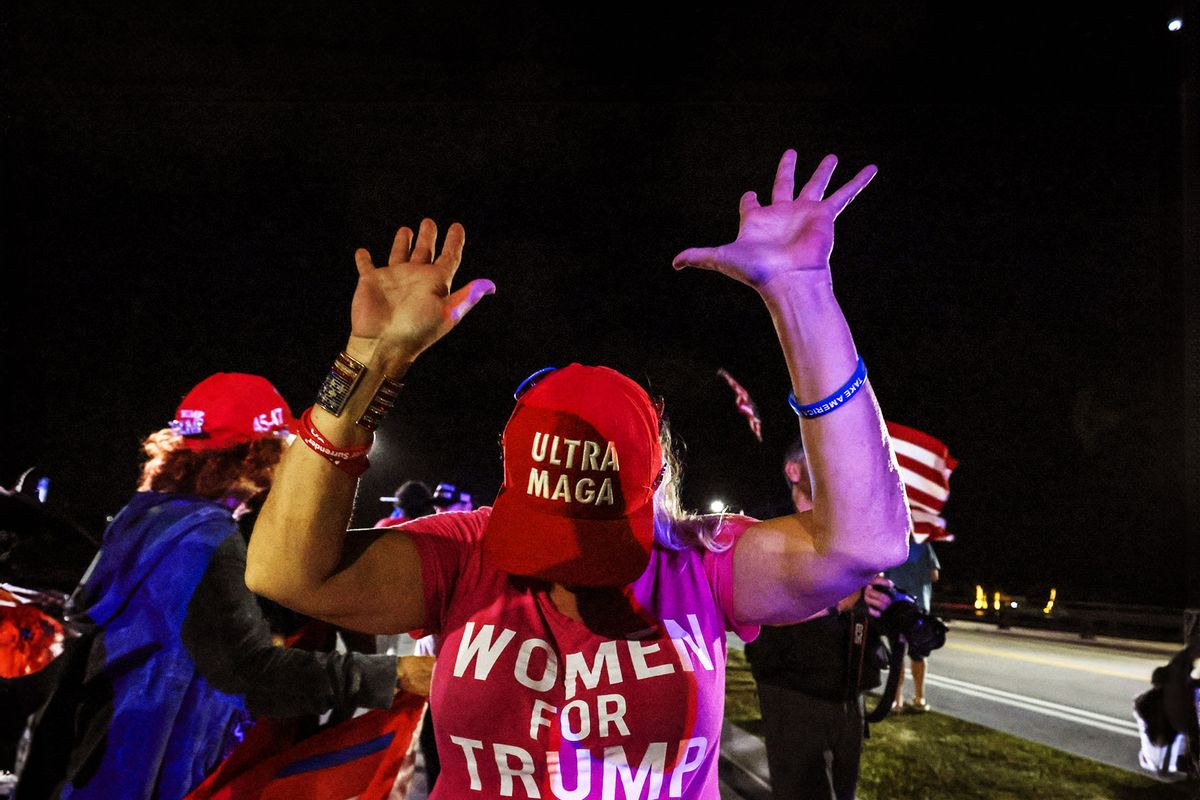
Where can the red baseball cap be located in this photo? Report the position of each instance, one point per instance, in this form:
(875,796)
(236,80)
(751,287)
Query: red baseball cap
(582,459)
(231,407)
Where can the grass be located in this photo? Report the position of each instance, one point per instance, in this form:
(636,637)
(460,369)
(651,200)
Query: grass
(935,757)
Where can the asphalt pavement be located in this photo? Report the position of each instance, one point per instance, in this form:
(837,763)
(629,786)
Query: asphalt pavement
(1052,688)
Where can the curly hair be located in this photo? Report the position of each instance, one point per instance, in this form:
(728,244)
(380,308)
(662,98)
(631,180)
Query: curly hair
(239,472)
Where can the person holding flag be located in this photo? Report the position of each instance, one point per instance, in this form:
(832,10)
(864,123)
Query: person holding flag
(925,465)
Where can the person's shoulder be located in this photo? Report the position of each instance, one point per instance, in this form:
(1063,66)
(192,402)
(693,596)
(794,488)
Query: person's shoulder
(728,528)
(461,526)
(187,518)
(735,523)
(703,536)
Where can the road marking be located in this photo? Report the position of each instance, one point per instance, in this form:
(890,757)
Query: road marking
(1082,716)
(1141,677)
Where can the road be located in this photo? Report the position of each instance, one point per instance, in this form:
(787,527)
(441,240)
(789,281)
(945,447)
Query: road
(1050,688)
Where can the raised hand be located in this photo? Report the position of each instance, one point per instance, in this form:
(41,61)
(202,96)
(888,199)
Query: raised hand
(407,304)
(790,236)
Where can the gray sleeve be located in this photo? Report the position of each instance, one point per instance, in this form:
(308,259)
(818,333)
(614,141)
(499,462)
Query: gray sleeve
(933,559)
(228,638)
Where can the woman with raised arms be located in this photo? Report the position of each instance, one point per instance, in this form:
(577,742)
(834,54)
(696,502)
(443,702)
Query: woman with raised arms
(582,618)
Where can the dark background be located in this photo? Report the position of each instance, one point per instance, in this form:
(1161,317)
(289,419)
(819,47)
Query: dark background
(184,191)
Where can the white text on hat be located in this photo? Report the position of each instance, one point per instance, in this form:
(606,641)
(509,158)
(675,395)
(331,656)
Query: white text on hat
(270,421)
(582,490)
(587,459)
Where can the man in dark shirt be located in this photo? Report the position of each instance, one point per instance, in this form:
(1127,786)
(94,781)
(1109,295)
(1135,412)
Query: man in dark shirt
(810,677)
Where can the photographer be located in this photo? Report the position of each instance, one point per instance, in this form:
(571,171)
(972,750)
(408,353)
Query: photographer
(810,686)
(811,676)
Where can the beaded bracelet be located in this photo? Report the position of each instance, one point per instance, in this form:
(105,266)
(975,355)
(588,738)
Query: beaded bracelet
(834,400)
(350,460)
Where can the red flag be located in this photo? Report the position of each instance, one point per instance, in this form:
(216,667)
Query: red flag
(744,404)
(367,757)
(925,467)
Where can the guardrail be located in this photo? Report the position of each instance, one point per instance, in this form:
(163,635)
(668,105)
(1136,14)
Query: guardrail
(1089,620)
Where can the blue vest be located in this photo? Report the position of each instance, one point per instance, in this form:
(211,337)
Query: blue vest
(168,727)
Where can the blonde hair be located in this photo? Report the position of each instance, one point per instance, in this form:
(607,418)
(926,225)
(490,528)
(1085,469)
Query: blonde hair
(674,527)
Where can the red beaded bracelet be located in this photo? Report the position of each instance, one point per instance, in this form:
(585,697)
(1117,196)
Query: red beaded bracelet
(350,460)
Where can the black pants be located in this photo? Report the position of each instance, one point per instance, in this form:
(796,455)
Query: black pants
(813,745)
(428,740)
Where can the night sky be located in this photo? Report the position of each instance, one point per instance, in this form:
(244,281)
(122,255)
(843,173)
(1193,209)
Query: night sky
(184,192)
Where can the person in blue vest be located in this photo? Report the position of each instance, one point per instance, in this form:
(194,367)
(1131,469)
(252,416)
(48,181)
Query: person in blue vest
(181,656)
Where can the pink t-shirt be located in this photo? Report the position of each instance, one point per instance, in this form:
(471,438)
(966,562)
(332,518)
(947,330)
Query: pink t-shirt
(530,703)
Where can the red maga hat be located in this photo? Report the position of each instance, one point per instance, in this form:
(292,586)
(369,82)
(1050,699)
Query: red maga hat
(582,459)
(231,407)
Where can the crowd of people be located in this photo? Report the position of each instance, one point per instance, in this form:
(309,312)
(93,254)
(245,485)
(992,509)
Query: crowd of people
(578,622)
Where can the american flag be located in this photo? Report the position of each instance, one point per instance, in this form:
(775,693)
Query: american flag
(925,467)
(744,404)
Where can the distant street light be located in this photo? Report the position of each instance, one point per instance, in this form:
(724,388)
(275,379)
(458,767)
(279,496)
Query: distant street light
(718,506)
(1175,25)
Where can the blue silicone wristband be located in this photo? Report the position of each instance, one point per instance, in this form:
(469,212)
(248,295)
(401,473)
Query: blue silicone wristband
(834,400)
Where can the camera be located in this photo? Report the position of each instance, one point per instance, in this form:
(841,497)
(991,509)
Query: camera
(907,627)
(923,633)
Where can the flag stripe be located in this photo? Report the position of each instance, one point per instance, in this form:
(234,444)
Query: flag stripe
(932,533)
(919,454)
(923,441)
(337,757)
(940,476)
(918,498)
(929,494)
(925,466)
(924,516)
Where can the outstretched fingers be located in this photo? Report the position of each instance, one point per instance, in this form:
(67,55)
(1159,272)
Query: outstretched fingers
(401,247)
(452,248)
(814,189)
(783,190)
(842,197)
(426,241)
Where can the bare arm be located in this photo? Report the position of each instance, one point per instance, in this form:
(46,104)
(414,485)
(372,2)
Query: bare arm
(788,568)
(296,555)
